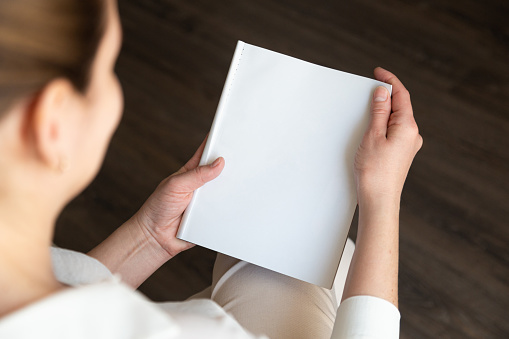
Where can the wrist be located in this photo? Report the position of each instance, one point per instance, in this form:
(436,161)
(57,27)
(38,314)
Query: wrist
(131,252)
(146,241)
(375,190)
(378,209)
(373,200)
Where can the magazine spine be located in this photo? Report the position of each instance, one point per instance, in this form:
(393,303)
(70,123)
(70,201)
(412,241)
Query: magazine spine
(215,128)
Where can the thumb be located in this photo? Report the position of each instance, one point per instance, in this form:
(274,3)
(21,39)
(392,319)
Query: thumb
(199,176)
(380,111)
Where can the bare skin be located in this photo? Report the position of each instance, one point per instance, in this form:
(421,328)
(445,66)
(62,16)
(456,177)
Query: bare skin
(149,239)
(381,166)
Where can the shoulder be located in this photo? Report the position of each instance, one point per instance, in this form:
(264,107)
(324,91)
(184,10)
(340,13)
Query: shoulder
(111,309)
(104,310)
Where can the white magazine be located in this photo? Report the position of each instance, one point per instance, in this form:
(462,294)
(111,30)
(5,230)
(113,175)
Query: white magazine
(288,131)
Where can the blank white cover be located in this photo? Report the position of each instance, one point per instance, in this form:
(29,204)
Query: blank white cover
(288,131)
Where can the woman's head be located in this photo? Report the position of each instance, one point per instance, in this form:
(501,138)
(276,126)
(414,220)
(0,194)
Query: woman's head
(60,100)
(43,40)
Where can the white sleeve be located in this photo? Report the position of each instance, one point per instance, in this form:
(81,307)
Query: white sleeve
(366,317)
(75,268)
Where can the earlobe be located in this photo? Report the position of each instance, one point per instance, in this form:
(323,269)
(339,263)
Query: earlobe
(47,121)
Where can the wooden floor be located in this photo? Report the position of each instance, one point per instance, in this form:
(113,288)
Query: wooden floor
(453,57)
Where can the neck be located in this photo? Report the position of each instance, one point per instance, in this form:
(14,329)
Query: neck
(26,273)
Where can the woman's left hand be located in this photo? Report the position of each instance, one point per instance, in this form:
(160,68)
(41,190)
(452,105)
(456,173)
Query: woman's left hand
(161,214)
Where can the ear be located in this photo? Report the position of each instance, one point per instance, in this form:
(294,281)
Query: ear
(48,119)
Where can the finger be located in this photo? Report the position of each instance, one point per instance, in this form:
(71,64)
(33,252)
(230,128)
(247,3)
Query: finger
(380,112)
(195,159)
(400,95)
(195,178)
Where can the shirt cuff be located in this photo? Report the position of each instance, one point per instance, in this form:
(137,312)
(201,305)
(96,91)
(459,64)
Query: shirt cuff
(366,317)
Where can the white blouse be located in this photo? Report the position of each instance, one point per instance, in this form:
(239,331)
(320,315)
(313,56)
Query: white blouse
(99,306)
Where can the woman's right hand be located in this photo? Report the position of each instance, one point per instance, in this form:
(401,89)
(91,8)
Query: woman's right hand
(389,144)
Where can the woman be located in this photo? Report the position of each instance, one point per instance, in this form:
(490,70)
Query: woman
(60,103)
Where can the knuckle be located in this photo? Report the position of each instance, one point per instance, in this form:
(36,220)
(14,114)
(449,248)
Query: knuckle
(200,175)
(412,128)
(420,141)
(407,93)
(171,181)
(415,128)
(379,110)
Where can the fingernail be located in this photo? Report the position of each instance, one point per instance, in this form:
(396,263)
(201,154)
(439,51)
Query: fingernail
(380,94)
(216,162)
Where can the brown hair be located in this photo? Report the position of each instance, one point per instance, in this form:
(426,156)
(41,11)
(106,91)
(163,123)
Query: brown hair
(41,40)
